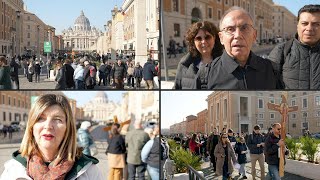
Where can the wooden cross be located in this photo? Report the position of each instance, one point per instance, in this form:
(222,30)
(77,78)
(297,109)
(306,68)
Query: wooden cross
(284,109)
(115,120)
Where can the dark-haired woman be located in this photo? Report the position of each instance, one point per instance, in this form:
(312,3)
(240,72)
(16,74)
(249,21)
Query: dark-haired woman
(204,45)
(116,153)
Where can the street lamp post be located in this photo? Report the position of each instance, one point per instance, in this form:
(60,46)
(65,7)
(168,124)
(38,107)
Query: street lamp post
(18,32)
(38,29)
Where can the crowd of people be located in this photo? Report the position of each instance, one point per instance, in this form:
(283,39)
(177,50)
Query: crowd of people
(223,58)
(228,150)
(81,73)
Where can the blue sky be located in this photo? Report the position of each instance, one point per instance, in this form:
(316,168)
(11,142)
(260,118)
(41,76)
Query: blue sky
(83,97)
(295,5)
(61,14)
(175,106)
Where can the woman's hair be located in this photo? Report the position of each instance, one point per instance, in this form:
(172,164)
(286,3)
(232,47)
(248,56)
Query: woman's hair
(208,27)
(68,147)
(221,135)
(3,59)
(194,136)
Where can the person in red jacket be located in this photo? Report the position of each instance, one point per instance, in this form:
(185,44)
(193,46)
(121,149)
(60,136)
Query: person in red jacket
(193,145)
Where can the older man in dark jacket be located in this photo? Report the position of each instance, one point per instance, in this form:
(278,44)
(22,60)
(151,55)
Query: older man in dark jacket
(238,67)
(119,74)
(296,62)
(148,73)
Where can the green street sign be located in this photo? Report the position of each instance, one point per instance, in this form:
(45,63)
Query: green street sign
(47,47)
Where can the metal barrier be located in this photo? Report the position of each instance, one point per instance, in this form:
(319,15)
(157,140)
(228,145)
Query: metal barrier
(194,175)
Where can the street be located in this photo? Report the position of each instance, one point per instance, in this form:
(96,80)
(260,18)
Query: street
(46,83)
(208,173)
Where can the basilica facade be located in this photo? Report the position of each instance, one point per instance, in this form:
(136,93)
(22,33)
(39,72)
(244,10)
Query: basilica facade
(81,38)
(100,109)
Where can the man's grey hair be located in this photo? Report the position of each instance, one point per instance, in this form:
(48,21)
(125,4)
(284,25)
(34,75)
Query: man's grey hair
(234,8)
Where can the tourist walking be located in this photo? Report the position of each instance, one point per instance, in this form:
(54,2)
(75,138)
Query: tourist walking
(241,150)
(5,80)
(37,70)
(135,140)
(116,153)
(225,157)
(256,146)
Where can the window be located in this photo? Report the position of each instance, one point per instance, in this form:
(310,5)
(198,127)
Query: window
(9,100)
(176,28)
(304,93)
(294,125)
(304,114)
(261,126)
(210,13)
(260,116)
(317,114)
(272,115)
(293,95)
(232,2)
(271,100)
(218,111)
(304,103)
(293,102)
(219,14)
(14,101)
(3,99)
(4,116)
(28,35)
(175,5)
(225,108)
(260,103)
(10,117)
(226,2)
(28,26)
(318,124)
(317,100)
(294,116)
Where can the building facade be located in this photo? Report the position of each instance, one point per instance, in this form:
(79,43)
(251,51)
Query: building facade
(179,15)
(202,121)
(11,27)
(35,34)
(242,110)
(81,38)
(100,109)
(284,22)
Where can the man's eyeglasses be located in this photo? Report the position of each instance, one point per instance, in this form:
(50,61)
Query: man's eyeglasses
(206,38)
(246,28)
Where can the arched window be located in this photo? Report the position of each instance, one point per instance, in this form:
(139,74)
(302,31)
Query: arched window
(196,15)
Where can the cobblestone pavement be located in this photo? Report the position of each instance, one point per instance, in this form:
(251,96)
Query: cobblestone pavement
(209,174)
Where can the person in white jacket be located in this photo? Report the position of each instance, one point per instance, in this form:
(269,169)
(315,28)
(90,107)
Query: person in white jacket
(49,149)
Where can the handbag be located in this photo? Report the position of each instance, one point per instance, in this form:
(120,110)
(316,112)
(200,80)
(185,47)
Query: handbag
(93,149)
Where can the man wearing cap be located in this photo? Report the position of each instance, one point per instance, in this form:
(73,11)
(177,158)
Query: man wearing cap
(256,146)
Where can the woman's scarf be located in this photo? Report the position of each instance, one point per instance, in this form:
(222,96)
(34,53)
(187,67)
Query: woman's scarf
(38,170)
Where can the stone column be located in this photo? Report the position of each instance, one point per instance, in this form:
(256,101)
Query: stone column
(140,31)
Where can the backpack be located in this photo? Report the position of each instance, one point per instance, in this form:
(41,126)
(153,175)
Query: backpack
(286,50)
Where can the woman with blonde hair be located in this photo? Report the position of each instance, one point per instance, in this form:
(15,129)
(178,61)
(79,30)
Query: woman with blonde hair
(49,149)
